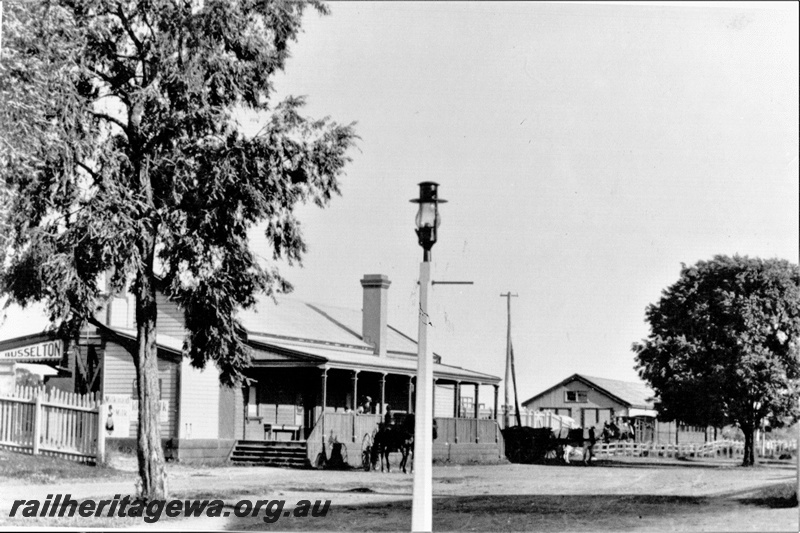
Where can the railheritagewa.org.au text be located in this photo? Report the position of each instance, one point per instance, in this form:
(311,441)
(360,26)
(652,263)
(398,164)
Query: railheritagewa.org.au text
(62,505)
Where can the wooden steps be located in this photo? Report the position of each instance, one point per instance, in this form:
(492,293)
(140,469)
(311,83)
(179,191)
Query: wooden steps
(291,454)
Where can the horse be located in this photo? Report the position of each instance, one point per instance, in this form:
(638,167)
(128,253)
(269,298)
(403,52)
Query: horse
(393,438)
(613,433)
(571,439)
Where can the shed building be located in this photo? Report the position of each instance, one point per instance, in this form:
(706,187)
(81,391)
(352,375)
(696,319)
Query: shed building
(593,401)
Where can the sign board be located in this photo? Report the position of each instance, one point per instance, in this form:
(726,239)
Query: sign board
(118,418)
(122,411)
(163,406)
(42,351)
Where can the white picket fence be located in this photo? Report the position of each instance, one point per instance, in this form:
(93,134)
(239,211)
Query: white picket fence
(54,423)
(716,449)
(539,419)
(776,448)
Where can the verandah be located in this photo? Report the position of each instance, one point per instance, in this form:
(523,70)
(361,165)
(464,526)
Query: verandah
(293,399)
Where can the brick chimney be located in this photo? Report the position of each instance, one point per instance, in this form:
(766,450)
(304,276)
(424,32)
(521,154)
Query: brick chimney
(374,311)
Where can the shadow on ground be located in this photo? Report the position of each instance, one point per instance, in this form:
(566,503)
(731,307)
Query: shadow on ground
(534,513)
(680,463)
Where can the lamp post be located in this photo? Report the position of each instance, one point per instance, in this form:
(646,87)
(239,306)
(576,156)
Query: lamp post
(427,228)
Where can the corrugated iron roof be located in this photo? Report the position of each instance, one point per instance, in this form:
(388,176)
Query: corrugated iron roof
(297,320)
(327,324)
(293,319)
(164,341)
(351,319)
(333,333)
(634,393)
(345,357)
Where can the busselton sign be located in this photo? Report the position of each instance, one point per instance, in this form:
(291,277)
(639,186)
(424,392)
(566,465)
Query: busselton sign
(42,351)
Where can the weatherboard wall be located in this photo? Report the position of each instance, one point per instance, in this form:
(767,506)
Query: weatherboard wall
(444,400)
(556,400)
(119,375)
(170,319)
(199,402)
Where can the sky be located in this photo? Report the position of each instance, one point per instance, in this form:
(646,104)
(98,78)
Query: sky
(586,152)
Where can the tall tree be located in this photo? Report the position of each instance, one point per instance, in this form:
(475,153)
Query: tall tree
(121,155)
(723,345)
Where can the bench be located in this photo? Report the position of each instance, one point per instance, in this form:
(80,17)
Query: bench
(271,429)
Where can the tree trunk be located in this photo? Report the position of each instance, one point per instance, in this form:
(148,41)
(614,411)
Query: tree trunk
(152,474)
(749,455)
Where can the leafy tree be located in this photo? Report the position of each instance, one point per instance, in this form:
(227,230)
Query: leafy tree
(122,155)
(723,345)
(26,378)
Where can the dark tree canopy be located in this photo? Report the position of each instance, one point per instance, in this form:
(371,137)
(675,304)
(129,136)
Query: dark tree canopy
(723,345)
(119,153)
(118,144)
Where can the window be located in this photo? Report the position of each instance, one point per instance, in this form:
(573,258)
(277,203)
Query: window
(576,396)
(467,407)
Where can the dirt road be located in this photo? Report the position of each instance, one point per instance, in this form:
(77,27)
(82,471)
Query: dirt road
(615,496)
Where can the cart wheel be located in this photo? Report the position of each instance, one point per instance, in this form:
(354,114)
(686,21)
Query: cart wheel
(366,452)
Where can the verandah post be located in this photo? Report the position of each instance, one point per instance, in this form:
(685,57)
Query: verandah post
(456,406)
(355,405)
(383,394)
(410,394)
(477,414)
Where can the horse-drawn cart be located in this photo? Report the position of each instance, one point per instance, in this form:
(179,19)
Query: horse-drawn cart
(538,445)
(395,434)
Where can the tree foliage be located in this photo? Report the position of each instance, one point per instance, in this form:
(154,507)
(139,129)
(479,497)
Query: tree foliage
(723,344)
(26,378)
(119,153)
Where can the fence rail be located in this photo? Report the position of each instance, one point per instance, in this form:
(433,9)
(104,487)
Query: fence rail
(716,449)
(776,448)
(538,419)
(54,423)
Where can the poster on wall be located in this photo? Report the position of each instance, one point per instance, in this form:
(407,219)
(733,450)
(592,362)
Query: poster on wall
(118,416)
(163,406)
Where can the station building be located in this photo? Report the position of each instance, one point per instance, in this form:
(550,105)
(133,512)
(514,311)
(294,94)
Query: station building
(320,375)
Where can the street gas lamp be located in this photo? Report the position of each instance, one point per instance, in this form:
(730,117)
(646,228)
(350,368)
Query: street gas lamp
(427,222)
(428,219)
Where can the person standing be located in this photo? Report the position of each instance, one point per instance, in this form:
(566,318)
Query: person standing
(588,449)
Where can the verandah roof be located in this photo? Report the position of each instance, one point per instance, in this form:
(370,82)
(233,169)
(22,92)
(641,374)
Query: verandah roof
(298,353)
(353,359)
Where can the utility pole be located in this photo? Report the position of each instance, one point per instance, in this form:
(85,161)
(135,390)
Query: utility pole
(511,375)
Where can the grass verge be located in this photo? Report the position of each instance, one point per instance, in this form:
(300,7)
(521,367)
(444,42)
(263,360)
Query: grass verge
(39,469)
